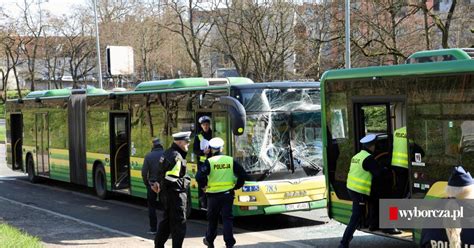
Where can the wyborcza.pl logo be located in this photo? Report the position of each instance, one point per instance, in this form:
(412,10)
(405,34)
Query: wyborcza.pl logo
(421,213)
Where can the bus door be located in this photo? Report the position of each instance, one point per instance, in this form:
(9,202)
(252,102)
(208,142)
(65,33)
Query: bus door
(379,117)
(218,124)
(120,150)
(16,131)
(219,128)
(42,144)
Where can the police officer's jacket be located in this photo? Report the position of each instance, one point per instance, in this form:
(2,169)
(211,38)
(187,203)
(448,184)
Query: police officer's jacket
(434,238)
(431,238)
(197,145)
(370,165)
(170,158)
(239,173)
(151,164)
(467,238)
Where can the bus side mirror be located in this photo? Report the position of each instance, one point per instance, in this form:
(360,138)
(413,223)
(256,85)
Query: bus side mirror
(236,112)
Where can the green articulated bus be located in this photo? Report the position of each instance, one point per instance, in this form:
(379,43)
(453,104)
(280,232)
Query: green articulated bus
(432,95)
(98,138)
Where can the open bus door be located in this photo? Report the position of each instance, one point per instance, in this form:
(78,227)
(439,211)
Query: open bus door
(42,143)
(120,151)
(16,133)
(380,117)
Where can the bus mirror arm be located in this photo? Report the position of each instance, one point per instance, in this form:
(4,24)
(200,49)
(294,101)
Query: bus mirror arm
(236,112)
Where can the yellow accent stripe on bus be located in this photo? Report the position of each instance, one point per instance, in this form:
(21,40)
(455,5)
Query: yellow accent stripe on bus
(59,151)
(334,198)
(59,162)
(94,155)
(28,148)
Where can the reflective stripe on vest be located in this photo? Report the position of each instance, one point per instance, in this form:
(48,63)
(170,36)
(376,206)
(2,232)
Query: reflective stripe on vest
(173,174)
(201,158)
(221,177)
(358,179)
(400,148)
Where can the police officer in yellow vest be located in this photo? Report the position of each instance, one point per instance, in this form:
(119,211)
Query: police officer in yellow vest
(220,175)
(359,183)
(460,186)
(172,184)
(202,151)
(400,161)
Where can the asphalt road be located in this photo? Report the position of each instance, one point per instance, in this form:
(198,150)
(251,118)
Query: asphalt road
(67,215)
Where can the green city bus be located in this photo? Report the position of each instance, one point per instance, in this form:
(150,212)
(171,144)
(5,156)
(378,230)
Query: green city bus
(432,96)
(99,139)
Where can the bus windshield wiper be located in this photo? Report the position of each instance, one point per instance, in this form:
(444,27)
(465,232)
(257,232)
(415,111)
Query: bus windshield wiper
(292,162)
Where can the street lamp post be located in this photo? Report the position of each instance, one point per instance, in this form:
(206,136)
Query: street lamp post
(348,34)
(99,66)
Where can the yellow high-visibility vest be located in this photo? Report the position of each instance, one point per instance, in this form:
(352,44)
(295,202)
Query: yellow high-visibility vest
(358,179)
(221,177)
(173,174)
(203,157)
(400,148)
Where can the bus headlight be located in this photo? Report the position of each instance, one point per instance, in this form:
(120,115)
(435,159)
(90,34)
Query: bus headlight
(247,198)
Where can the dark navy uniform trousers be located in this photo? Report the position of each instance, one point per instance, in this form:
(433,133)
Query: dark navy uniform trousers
(220,204)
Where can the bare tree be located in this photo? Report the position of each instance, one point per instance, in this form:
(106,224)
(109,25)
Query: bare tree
(113,10)
(268,34)
(229,41)
(316,29)
(147,34)
(381,27)
(79,46)
(11,46)
(32,19)
(439,19)
(192,22)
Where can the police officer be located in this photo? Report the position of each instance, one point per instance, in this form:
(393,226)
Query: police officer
(220,175)
(460,186)
(173,184)
(359,182)
(400,161)
(202,151)
(149,176)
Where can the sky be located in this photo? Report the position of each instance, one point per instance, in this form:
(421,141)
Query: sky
(56,7)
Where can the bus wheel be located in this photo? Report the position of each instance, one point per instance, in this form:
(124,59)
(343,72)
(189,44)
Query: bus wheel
(30,168)
(100,182)
(188,204)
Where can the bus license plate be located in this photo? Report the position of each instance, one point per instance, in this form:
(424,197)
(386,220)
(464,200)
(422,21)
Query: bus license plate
(297,206)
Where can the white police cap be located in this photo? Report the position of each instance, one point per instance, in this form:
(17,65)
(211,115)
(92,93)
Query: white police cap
(182,136)
(216,143)
(204,118)
(368,138)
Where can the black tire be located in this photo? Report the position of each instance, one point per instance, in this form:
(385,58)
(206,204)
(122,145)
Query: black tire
(30,168)
(100,182)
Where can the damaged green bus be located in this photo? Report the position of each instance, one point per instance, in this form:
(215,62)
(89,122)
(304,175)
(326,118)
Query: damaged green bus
(99,139)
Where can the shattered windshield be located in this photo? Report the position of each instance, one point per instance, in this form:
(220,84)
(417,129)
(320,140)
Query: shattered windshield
(282,138)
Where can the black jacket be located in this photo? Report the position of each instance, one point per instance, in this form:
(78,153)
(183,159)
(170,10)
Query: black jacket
(151,163)
(381,176)
(204,171)
(167,162)
(437,236)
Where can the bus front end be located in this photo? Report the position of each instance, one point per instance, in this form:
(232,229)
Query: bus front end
(281,149)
